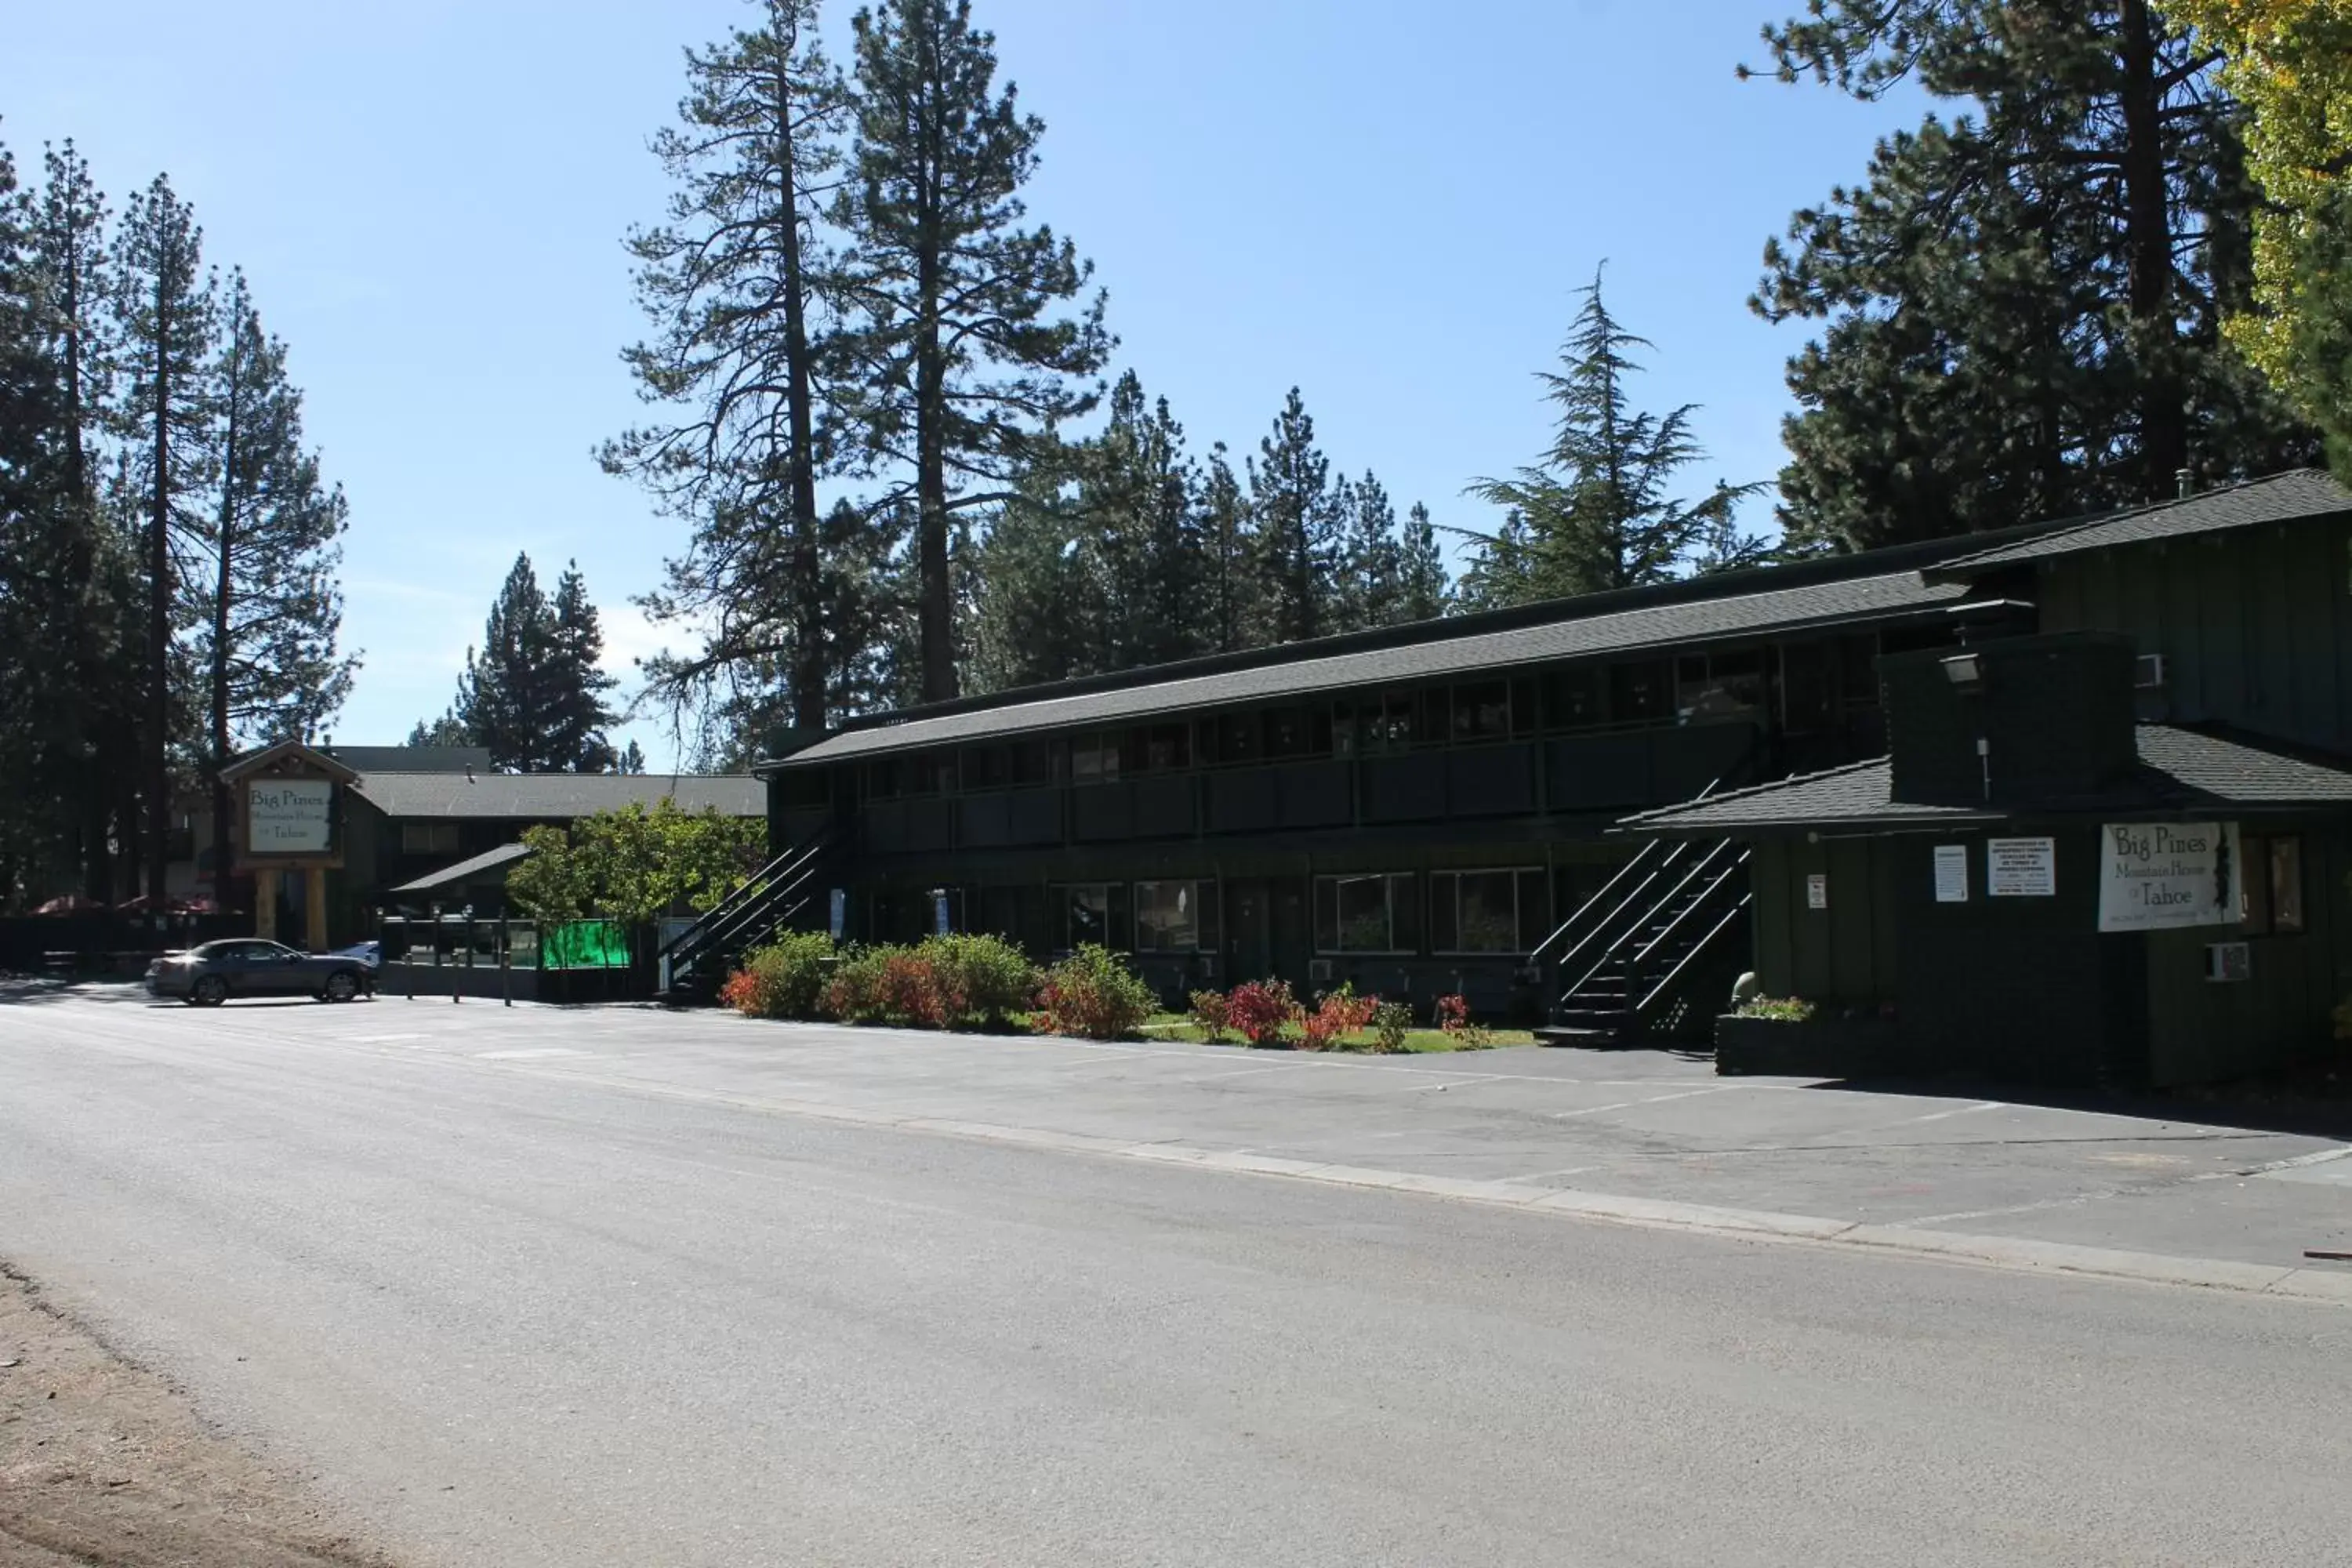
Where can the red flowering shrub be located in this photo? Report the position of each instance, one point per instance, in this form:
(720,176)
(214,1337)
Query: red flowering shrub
(1339,1014)
(1453,1017)
(782,980)
(1259,1009)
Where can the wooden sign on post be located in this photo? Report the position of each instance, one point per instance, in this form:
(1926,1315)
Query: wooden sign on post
(289,808)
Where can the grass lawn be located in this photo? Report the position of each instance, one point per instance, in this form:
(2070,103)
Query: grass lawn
(1177,1026)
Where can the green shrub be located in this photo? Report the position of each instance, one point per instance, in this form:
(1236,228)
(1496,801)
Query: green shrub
(784,980)
(989,977)
(1211,1015)
(854,995)
(1391,1021)
(1779,1009)
(1093,993)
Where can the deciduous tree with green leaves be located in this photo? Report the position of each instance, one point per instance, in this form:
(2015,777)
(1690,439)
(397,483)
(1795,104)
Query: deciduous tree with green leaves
(1599,509)
(635,864)
(2290,64)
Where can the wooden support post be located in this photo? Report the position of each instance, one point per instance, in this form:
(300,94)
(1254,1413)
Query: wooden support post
(264,902)
(314,907)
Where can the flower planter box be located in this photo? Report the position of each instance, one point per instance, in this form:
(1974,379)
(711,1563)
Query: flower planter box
(1818,1047)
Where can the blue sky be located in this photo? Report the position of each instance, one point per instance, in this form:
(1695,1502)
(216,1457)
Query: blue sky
(1389,205)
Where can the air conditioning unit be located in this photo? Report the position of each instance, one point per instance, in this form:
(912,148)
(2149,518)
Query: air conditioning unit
(2228,960)
(2149,675)
(1319,972)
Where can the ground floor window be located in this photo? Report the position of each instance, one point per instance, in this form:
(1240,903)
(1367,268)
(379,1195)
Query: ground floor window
(2271,887)
(1092,912)
(1175,917)
(1486,911)
(1369,913)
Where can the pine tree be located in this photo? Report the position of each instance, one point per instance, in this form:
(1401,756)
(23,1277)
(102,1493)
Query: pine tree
(1424,593)
(169,323)
(534,694)
(1374,590)
(1296,522)
(272,611)
(736,283)
(447,730)
(1596,511)
(2021,305)
(578,717)
(502,701)
(632,759)
(960,357)
(1230,586)
(1043,613)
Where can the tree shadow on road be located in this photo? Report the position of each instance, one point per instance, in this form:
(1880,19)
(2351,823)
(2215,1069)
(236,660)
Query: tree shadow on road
(2314,1102)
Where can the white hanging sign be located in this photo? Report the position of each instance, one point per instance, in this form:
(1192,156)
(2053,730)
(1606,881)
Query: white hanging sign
(1951,873)
(1817,891)
(2021,867)
(2157,875)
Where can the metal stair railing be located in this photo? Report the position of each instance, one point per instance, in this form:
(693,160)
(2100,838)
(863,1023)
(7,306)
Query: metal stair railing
(1657,849)
(1641,922)
(1665,986)
(747,906)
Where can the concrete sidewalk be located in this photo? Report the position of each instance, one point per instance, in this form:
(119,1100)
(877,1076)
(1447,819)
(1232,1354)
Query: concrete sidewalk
(1637,1136)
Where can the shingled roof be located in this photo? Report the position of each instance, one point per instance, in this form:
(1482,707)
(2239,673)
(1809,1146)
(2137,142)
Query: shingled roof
(547,797)
(1860,599)
(2180,770)
(2289,497)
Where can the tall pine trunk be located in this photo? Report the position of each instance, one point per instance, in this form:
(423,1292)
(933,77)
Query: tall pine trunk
(223,583)
(808,672)
(97,864)
(2164,421)
(938,597)
(159,609)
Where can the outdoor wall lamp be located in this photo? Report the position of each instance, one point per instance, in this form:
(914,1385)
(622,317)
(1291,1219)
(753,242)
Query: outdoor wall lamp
(1965,671)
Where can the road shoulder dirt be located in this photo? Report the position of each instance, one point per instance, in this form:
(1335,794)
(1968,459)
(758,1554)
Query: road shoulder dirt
(102,1461)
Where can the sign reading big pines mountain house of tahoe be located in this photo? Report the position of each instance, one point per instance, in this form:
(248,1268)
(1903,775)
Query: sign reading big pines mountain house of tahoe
(2157,875)
(290,816)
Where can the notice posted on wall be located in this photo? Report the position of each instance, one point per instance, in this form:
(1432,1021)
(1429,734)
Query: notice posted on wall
(2021,867)
(1951,873)
(2157,875)
(1817,891)
(290,816)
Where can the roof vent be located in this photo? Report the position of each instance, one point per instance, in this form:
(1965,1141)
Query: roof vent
(2186,479)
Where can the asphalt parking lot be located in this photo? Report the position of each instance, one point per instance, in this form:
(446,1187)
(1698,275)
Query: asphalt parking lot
(1658,1131)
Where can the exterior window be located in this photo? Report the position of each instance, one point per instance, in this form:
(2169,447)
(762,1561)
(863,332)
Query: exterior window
(1640,691)
(1167,747)
(1175,917)
(2286,885)
(1483,711)
(1237,738)
(1298,733)
(1436,714)
(1030,762)
(1573,698)
(429,838)
(1092,911)
(882,779)
(1486,911)
(1371,913)
(983,767)
(1377,722)
(1094,759)
(1711,685)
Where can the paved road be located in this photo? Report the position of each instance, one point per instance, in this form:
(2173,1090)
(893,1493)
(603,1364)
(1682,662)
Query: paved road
(515,1311)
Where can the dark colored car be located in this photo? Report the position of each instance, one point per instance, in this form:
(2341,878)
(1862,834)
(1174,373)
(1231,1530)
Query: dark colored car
(369,954)
(208,976)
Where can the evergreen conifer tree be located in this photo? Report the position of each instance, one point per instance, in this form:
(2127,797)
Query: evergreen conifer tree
(1231,587)
(1422,592)
(169,319)
(962,359)
(533,694)
(1597,511)
(737,283)
(1297,527)
(578,716)
(2022,306)
(1373,551)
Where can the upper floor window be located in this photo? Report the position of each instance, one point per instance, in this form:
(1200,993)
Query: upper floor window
(429,838)
(1482,711)
(1641,692)
(1095,758)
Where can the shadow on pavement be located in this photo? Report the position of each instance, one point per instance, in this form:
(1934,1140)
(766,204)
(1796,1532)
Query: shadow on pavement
(2315,1102)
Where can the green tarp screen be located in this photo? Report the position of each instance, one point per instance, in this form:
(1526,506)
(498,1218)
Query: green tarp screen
(584,944)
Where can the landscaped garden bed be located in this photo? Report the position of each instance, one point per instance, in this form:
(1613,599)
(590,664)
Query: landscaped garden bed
(1785,1037)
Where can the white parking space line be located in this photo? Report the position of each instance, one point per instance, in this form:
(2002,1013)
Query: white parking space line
(536,1053)
(1653,1100)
